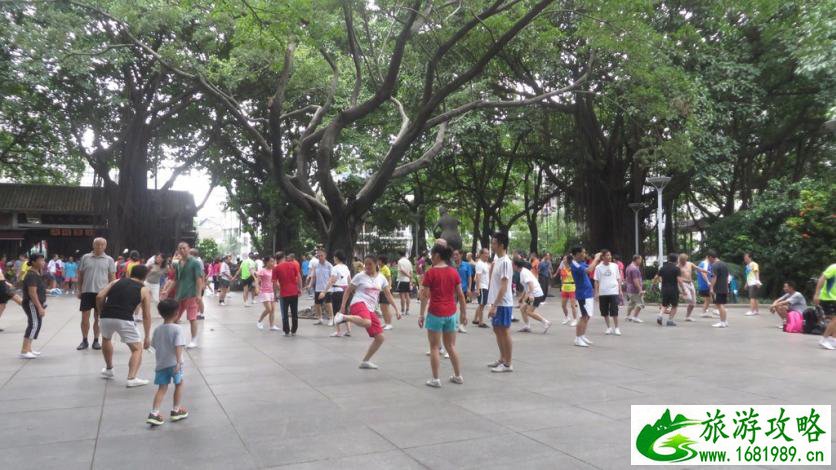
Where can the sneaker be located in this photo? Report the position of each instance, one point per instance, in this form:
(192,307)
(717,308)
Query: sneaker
(293,334)
(191,345)
(336,334)
(494,364)
(586,339)
(580,342)
(503,368)
(136,382)
(107,373)
(96,344)
(37,353)
(434,383)
(286,333)
(525,329)
(275,328)
(715,312)
(483,325)
(751,314)
(565,321)
(331,322)
(546,326)
(456,379)
(462,329)
(179,414)
(259,325)
(82,346)
(719,325)
(689,319)
(27,355)
(347,334)
(608,332)
(368,365)
(636,320)
(387,327)
(222,304)
(246,305)
(154,419)
(659,320)
(339,319)
(200,317)
(573,323)
(670,323)
(616,332)
(445,354)
(318,322)
(705,315)
(629,318)
(827,344)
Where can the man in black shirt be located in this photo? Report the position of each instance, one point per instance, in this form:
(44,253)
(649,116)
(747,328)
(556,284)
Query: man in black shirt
(117,303)
(719,287)
(669,275)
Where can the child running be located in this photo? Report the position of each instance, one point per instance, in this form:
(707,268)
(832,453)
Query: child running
(264,291)
(168,341)
(443,287)
(533,297)
(364,292)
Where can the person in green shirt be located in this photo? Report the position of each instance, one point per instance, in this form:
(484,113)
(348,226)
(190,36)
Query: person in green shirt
(245,272)
(825,296)
(188,287)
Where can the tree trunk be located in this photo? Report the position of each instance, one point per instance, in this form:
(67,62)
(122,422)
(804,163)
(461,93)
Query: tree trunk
(342,235)
(475,239)
(131,207)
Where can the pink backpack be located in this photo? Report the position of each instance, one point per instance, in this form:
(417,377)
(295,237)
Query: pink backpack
(794,323)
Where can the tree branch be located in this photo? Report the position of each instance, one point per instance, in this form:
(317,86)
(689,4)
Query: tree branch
(426,158)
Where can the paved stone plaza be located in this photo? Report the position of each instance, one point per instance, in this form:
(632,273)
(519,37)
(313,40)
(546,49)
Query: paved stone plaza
(260,400)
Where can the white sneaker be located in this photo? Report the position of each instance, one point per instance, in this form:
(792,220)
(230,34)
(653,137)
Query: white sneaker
(826,343)
(28,355)
(565,321)
(136,382)
(751,314)
(616,332)
(387,327)
(524,329)
(191,345)
(434,383)
(339,319)
(494,363)
(719,325)
(336,335)
(715,312)
(705,315)
(37,353)
(445,354)
(107,373)
(689,319)
(318,322)
(368,365)
(629,318)
(457,379)
(275,328)
(637,320)
(580,342)
(546,325)
(574,323)
(608,332)
(502,368)
(331,322)
(259,325)
(586,339)
(462,329)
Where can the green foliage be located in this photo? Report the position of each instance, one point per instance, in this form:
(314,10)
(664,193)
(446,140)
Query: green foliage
(208,249)
(790,231)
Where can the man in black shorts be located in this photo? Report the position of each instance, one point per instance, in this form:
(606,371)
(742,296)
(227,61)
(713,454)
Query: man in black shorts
(719,287)
(669,274)
(95,271)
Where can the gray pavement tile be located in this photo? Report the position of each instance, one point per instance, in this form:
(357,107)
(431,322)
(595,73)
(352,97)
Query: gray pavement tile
(270,451)
(436,429)
(48,426)
(377,461)
(548,416)
(70,455)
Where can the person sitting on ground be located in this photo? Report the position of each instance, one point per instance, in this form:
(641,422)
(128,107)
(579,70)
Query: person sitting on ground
(792,300)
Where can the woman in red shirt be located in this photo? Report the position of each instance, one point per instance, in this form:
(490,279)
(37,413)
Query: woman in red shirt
(442,288)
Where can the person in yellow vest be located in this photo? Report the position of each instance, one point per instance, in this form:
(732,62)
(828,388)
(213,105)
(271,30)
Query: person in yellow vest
(825,296)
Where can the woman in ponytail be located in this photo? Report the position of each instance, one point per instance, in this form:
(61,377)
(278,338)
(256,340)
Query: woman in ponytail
(34,304)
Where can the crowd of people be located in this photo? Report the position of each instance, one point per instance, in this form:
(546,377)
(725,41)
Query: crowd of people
(122,293)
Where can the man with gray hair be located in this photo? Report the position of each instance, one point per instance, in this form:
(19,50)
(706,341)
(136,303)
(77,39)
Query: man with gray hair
(95,271)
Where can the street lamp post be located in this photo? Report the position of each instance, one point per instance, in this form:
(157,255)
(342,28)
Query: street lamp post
(636,206)
(659,182)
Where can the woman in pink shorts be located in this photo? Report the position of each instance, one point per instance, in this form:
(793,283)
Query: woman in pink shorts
(364,292)
(264,290)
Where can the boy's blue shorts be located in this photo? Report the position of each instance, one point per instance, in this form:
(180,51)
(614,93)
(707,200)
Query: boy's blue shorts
(503,317)
(168,375)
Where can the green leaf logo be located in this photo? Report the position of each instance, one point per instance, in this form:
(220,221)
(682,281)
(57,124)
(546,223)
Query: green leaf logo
(681,445)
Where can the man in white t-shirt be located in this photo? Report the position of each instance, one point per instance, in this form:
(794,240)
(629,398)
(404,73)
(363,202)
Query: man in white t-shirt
(607,290)
(404,286)
(533,296)
(481,281)
(501,301)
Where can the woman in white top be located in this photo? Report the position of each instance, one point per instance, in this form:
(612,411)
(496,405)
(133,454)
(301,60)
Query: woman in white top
(532,297)
(364,292)
(337,285)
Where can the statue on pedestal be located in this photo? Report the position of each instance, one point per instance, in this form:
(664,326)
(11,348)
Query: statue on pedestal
(447,228)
